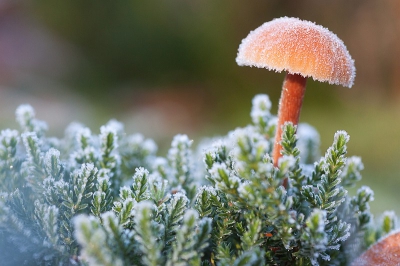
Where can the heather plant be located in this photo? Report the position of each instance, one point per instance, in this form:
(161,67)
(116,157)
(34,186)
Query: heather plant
(109,199)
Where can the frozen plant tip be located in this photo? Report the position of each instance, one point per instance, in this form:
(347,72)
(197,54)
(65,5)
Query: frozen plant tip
(109,199)
(302,49)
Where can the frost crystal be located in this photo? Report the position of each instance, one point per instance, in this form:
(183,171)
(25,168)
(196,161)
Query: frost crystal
(106,130)
(216,169)
(140,172)
(367,191)
(116,125)
(51,161)
(73,201)
(72,129)
(190,214)
(260,108)
(47,158)
(211,190)
(286,162)
(24,114)
(308,143)
(339,134)
(82,133)
(7,135)
(140,207)
(301,47)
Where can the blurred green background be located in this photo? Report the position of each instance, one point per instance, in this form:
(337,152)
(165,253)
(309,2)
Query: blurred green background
(168,66)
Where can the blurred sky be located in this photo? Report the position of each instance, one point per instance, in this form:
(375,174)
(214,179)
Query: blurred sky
(168,67)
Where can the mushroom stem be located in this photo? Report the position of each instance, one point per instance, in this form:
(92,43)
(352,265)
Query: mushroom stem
(294,88)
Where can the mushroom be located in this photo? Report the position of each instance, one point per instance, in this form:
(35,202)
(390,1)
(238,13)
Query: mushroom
(303,49)
(385,252)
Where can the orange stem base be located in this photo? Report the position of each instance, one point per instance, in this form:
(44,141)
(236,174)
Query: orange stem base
(294,88)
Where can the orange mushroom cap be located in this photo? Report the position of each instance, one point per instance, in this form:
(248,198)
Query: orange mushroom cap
(385,252)
(298,47)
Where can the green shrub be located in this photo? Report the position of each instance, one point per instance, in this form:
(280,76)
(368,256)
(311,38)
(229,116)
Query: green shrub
(108,199)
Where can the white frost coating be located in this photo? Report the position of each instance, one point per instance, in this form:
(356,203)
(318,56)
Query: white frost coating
(216,168)
(343,238)
(97,197)
(234,181)
(85,227)
(262,102)
(150,146)
(321,219)
(24,113)
(105,131)
(287,161)
(247,140)
(50,153)
(47,158)
(339,133)
(90,236)
(265,168)
(83,132)
(189,214)
(25,137)
(25,116)
(137,141)
(87,167)
(209,189)
(307,169)
(243,191)
(356,160)
(140,207)
(217,146)
(118,126)
(109,220)
(72,129)
(179,157)
(308,142)
(367,191)
(273,121)
(384,252)
(39,125)
(125,192)
(178,139)
(353,168)
(7,135)
(103,178)
(160,162)
(179,195)
(260,108)
(136,138)
(157,180)
(298,47)
(140,172)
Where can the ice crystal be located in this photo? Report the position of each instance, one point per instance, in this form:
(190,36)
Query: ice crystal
(299,47)
(109,199)
(308,143)
(260,111)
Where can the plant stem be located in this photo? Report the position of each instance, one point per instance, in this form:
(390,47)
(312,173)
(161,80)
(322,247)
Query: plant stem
(293,90)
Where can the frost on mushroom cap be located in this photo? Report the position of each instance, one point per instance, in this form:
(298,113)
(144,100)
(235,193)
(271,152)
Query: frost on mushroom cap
(385,252)
(298,47)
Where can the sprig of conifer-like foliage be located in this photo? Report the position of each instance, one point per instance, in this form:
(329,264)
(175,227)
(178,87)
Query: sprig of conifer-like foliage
(108,199)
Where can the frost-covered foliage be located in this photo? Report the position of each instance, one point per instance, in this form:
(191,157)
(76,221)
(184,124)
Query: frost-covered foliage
(108,199)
